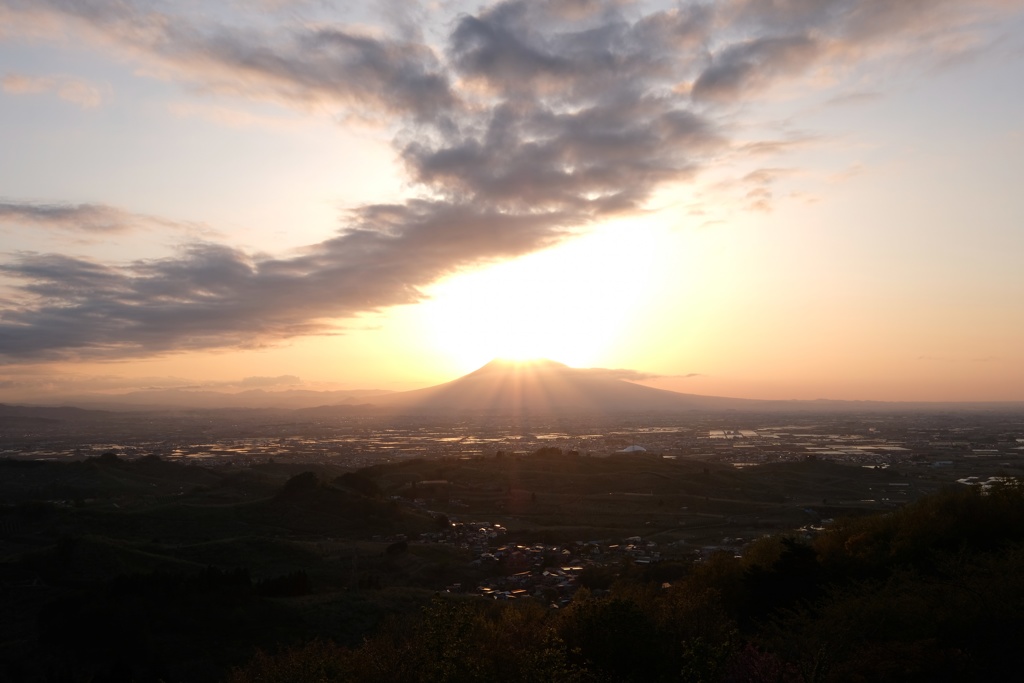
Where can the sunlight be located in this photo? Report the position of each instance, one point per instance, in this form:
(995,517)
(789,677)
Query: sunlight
(569,303)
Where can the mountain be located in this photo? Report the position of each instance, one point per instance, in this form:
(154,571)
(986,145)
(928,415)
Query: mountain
(545,386)
(17,413)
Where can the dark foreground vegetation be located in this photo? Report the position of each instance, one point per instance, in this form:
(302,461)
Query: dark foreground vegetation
(932,592)
(149,570)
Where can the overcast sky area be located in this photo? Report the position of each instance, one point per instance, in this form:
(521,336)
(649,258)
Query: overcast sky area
(753,198)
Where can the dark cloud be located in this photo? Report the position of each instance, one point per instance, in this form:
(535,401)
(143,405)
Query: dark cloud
(759,42)
(330,63)
(531,48)
(532,121)
(213,296)
(752,65)
(586,118)
(296,63)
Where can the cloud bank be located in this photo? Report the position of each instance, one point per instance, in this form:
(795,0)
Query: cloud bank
(528,122)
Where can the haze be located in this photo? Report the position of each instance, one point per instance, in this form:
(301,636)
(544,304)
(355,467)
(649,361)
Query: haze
(772,200)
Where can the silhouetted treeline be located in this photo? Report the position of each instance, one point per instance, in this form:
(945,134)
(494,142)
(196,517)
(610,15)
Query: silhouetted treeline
(159,626)
(931,592)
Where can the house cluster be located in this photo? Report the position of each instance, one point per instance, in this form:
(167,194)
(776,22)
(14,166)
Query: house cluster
(541,571)
(476,537)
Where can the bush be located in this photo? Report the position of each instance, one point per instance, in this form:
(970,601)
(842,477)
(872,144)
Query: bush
(319,661)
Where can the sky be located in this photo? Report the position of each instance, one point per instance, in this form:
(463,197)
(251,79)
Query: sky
(786,199)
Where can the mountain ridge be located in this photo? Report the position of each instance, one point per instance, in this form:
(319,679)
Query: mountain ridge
(540,386)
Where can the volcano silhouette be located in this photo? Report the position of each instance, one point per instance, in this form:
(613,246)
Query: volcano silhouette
(546,386)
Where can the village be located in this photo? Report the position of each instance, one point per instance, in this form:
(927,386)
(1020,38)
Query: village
(551,573)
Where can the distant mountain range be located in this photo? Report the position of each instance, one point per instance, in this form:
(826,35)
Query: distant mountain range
(500,387)
(195,399)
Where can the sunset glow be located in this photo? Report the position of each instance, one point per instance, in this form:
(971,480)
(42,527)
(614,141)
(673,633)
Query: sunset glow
(744,198)
(571,303)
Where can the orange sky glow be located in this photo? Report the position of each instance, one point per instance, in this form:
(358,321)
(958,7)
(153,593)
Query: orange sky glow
(747,198)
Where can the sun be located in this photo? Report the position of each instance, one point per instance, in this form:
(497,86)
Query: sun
(490,317)
(569,304)
(525,347)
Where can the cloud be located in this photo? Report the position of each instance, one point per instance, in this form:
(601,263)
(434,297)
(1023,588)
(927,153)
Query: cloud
(751,65)
(260,382)
(759,43)
(527,123)
(754,189)
(34,383)
(636,375)
(211,295)
(759,194)
(773,147)
(89,218)
(853,98)
(304,64)
(21,383)
(620,373)
(73,90)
